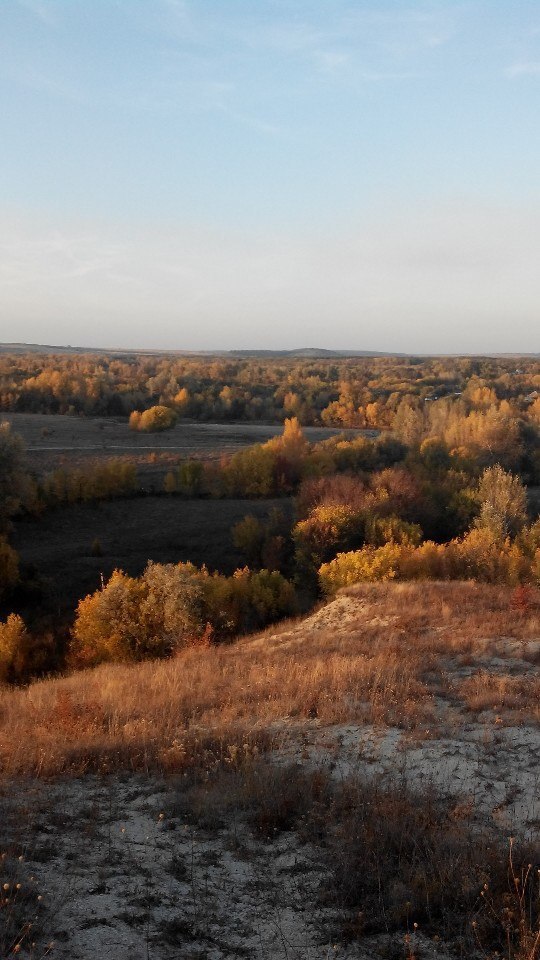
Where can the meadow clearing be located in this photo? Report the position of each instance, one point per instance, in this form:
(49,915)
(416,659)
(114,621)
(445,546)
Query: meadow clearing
(61,544)
(52,441)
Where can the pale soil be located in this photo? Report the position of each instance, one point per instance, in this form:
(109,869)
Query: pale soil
(124,877)
(128,875)
(482,757)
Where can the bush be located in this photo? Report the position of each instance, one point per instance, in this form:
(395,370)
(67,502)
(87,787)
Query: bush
(13,639)
(187,479)
(133,619)
(152,420)
(171,605)
(479,555)
(251,473)
(9,567)
(329,527)
(382,530)
(360,566)
(399,861)
(115,478)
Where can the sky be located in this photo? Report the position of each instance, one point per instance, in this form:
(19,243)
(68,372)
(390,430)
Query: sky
(227,174)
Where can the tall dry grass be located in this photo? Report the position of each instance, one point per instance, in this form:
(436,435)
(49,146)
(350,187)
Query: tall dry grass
(381,655)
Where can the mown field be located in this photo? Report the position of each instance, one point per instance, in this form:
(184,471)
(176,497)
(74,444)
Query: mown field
(61,544)
(54,441)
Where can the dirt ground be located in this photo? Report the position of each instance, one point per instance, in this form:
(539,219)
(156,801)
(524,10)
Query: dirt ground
(127,874)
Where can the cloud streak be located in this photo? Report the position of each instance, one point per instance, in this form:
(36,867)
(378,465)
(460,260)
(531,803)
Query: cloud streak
(529,68)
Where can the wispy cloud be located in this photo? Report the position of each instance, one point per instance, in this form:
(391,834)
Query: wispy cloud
(28,76)
(202,58)
(44,11)
(530,68)
(257,124)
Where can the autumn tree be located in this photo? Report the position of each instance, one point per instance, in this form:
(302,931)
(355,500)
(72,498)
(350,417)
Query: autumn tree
(154,419)
(16,488)
(131,619)
(503,502)
(13,640)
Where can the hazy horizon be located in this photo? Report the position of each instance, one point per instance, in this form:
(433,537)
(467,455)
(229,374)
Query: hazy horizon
(354,175)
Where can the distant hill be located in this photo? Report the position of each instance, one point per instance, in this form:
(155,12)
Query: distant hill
(313,353)
(301,353)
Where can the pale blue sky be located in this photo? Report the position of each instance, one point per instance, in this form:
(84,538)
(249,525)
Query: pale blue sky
(271,174)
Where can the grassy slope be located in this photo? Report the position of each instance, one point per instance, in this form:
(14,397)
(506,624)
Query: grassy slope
(386,654)
(309,792)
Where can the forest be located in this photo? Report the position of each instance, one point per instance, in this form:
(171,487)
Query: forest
(440,485)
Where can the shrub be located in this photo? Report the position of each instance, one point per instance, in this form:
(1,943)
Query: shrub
(381,530)
(251,473)
(133,619)
(400,860)
(107,622)
(479,555)
(248,538)
(171,605)
(328,528)
(115,478)
(9,567)
(359,566)
(152,420)
(13,640)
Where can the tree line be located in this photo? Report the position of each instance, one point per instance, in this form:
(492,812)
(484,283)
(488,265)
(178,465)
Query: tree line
(353,392)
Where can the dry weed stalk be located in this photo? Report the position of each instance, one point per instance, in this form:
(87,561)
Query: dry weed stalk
(383,663)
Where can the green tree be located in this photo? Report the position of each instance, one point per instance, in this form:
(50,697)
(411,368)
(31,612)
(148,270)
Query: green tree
(248,538)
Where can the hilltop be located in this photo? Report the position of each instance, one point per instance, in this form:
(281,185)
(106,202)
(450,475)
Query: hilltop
(209,802)
(309,353)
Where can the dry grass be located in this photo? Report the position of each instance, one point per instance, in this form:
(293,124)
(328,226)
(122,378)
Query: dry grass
(381,654)
(379,848)
(503,695)
(388,863)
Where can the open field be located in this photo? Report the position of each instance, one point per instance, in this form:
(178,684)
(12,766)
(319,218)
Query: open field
(58,441)
(250,800)
(130,532)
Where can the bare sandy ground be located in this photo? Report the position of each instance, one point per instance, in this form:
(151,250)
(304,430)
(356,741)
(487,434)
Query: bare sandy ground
(125,876)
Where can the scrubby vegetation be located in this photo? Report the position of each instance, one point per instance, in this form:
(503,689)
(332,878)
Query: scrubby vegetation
(250,734)
(439,493)
(424,536)
(171,606)
(153,419)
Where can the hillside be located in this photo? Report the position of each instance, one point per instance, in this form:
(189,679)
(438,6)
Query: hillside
(310,792)
(302,352)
